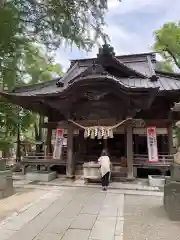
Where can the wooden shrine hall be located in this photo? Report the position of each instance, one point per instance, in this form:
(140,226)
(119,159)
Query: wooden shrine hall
(108,101)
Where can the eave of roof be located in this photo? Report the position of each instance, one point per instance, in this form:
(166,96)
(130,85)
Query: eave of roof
(84,81)
(36,86)
(169,74)
(164,83)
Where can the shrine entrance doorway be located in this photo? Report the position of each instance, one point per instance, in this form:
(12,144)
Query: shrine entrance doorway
(116,147)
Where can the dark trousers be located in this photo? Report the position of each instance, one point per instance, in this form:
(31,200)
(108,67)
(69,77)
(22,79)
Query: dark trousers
(105,180)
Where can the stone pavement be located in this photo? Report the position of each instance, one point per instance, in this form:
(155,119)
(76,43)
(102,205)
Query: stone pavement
(66,213)
(21,198)
(145,219)
(62,181)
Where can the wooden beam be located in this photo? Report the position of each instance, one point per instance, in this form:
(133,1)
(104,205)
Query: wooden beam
(108,122)
(56,124)
(159,122)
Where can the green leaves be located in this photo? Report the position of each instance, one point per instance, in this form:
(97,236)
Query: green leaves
(165,66)
(37,66)
(167,41)
(28,28)
(54,22)
(33,67)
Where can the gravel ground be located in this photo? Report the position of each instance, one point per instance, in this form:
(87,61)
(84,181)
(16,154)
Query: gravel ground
(145,219)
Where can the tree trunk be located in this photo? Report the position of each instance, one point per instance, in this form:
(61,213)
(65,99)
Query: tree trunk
(38,133)
(18,150)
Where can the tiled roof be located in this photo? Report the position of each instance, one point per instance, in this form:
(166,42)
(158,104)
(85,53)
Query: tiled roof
(141,67)
(137,62)
(165,82)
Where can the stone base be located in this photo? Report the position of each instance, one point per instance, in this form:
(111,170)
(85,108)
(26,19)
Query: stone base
(135,172)
(68,176)
(130,179)
(172,200)
(18,176)
(130,176)
(156,181)
(42,177)
(6,184)
(175,172)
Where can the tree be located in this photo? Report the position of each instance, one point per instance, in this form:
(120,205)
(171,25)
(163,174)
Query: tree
(35,67)
(27,24)
(164,66)
(167,42)
(49,23)
(52,22)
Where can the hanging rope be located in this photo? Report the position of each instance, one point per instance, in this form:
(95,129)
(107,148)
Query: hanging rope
(109,127)
(99,131)
(77,124)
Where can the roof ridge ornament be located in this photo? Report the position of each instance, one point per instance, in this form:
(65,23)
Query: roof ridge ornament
(106,49)
(153,76)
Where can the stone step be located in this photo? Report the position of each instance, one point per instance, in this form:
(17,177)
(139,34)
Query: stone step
(79,172)
(118,179)
(118,174)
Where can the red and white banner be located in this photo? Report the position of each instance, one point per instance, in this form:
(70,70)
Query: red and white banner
(152,144)
(58,143)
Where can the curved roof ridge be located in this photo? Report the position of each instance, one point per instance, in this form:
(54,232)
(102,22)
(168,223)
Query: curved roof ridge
(129,68)
(117,80)
(117,56)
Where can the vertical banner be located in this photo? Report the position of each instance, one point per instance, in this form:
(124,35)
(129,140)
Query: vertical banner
(152,144)
(58,143)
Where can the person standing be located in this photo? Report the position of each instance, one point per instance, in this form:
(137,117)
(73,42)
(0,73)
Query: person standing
(105,163)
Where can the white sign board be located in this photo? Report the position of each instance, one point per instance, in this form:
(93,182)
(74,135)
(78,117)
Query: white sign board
(58,143)
(152,144)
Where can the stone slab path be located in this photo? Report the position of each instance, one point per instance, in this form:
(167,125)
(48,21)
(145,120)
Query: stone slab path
(145,219)
(90,214)
(19,200)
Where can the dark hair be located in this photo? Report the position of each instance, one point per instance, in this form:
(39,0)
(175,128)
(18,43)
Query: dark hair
(104,152)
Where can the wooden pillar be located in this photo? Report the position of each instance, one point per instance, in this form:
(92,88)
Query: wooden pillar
(129,132)
(82,146)
(70,164)
(48,141)
(105,141)
(170,138)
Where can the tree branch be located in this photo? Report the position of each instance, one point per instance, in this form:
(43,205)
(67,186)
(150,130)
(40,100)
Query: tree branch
(173,57)
(166,49)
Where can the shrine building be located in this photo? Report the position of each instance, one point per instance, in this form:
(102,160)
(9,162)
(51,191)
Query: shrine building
(106,102)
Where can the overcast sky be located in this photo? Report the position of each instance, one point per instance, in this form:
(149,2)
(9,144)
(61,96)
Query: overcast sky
(131,24)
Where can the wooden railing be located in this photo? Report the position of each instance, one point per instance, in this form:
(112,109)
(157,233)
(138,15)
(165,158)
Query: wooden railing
(142,160)
(139,160)
(40,160)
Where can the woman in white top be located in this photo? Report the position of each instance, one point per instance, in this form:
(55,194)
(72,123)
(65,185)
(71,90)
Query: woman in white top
(105,163)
